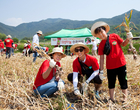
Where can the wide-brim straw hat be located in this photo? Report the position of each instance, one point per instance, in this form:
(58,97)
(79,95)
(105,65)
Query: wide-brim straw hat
(79,44)
(9,36)
(39,32)
(57,49)
(99,24)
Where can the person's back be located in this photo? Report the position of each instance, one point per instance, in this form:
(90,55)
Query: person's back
(8,42)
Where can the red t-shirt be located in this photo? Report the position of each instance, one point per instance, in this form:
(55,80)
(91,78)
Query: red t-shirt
(8,42)
(46,49)
(90,61)
(29,46)
(39,79)
(116,57)
(14,46)
(2,45)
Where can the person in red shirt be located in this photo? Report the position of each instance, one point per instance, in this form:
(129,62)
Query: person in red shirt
(29,44)
(115,60)
(28,48)
(1,47)
(25,49)
(46,49)
(9,43)
(46,81)
(14,48)
(83,65)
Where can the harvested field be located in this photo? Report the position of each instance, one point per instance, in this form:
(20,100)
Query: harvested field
(17,76)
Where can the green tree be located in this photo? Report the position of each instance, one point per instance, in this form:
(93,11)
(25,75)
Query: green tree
(23,41)
(15,40)
(2,36)
(26,38)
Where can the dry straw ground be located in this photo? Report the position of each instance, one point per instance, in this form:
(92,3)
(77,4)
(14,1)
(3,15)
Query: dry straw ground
(17,75)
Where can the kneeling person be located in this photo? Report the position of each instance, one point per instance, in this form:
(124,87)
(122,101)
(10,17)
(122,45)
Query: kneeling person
(47,82)
(87,65)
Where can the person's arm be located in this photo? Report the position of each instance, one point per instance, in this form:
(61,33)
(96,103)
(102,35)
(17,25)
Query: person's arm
(101,62)
(46,73)
(129,36)
(75,79)
(124,43)
(92,76)
(75,82)
(52,63)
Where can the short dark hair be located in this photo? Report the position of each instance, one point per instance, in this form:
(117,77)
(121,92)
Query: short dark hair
(97,30)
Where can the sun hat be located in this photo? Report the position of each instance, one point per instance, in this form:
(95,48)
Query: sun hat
(57,49)
(99,24)
(9,36)
(39,32)
(79,44)
(28,40)
(25,45)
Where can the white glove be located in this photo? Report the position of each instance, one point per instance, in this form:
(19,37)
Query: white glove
(101,75)
(85,86)
(52,63)
(60,84)
(77,92)
(129,35)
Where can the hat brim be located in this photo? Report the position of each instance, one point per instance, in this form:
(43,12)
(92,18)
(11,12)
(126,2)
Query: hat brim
(72,49)
(63,55)
(99,24)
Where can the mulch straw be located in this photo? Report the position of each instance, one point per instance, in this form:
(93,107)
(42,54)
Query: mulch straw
(17,76)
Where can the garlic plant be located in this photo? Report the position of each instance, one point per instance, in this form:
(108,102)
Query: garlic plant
(126,24)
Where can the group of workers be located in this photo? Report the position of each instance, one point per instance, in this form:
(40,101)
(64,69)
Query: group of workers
(9,46)
(48,82)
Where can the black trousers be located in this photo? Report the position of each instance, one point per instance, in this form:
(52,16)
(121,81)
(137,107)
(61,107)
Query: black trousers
(96,79)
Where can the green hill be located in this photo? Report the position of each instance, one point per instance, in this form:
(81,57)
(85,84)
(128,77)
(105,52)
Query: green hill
(52,25)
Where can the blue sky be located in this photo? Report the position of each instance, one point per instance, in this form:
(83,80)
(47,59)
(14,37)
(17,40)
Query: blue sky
(15,12)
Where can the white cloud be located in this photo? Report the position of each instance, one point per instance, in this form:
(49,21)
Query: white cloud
(14,21)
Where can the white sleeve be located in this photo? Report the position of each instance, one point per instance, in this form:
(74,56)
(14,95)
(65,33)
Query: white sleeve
(75,79)
(34,40)
(93,75)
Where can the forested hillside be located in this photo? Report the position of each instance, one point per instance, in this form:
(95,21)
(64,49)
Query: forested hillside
(50,26)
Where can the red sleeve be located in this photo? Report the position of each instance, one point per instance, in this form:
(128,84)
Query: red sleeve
(119,39)
(75,65)
(95,65)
